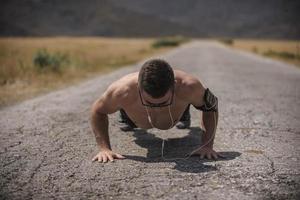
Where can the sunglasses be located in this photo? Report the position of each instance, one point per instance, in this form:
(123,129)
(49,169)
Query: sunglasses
(157,105)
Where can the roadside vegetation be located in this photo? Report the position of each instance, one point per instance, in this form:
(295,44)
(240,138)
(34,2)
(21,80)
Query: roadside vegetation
(284,50)
(169,42)
(227,41)
(32,66)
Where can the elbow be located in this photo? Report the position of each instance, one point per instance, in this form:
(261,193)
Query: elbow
(96,116)
(93,109)
(96,110)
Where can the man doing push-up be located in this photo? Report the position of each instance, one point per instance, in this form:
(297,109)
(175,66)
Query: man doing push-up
(155,97)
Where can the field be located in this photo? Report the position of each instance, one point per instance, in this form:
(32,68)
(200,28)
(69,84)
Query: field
(32,66)
(284,50)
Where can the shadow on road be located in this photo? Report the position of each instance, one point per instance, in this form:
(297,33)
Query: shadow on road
(176,148)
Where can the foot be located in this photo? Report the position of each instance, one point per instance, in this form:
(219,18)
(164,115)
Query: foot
(183,124)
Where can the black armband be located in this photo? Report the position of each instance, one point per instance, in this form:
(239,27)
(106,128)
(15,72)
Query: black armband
(210,102)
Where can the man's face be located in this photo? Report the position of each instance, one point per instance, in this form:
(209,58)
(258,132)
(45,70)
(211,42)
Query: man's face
(163,101)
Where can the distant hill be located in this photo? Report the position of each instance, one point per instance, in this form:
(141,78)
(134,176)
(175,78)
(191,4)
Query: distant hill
(151,18)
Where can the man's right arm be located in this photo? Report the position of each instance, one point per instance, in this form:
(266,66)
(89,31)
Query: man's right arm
(99,123)
(105,105)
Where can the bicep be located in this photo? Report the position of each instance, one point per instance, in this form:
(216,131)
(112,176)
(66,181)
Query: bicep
(197,91)
(203,99)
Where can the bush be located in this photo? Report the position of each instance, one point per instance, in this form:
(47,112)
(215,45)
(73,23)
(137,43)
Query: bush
(227,41)
(254,49)
(169,42)
(287,55)
(45,61)
(281,54)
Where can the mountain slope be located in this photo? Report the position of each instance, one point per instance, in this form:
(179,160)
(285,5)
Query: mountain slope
(148,18)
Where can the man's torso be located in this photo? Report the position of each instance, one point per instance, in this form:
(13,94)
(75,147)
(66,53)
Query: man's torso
(160,117)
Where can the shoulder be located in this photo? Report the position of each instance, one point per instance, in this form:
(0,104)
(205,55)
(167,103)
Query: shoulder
(185,77)
(189,86)
(124,89)
(117,95)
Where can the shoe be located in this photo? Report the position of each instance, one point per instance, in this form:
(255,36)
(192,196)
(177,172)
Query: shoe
(183,124)
(185,120)
(121,120)
(125,127)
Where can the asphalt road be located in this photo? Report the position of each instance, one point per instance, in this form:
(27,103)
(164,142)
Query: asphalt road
(46,144)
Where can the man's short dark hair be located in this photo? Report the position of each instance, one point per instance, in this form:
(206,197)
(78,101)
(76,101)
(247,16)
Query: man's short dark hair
(156,77)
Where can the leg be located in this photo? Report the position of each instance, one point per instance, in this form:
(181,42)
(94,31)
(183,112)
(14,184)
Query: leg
(122,115)
(185,120)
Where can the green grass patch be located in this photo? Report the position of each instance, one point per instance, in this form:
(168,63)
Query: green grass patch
(45,61)
(282,54)
(169,42)
(227,41)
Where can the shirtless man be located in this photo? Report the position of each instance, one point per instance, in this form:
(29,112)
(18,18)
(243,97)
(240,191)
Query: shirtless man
(154,97)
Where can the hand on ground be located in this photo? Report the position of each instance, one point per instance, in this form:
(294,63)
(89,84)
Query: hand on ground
(207,152)
(107,155)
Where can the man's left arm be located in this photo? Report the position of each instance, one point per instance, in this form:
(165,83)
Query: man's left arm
(204,100)
(210,122)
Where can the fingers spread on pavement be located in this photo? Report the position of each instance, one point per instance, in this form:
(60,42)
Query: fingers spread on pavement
(110,157)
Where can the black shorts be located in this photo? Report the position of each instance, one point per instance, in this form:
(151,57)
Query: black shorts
(126,119)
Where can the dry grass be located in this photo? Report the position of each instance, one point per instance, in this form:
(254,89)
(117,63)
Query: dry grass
(284,50)
(90,56)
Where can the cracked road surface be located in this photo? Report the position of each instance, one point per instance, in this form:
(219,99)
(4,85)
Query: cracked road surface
(46,143)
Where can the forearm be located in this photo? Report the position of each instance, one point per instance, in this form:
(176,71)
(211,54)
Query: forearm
(210,122)
(100,125)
